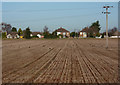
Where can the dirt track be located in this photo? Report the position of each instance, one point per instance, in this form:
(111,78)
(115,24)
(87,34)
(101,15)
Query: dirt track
(60,61)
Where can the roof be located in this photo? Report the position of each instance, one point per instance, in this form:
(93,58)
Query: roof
(35,33)
(85,29)
(62,30)
(13,33)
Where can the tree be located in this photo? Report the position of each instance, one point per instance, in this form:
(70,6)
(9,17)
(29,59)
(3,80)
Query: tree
(45,29)
(102,35)
(27,33)
(112,31)
(6,27)
(14,29)
(77,34)
(20,32)
(96,26)
(98,34)
(4,34)
(54,34)
(94,29)
(46,32)
(35,36)
(72,34)
(91,35)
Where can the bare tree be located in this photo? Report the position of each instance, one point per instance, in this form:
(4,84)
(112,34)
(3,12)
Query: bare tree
(45,29)
(112,31)
(6,27)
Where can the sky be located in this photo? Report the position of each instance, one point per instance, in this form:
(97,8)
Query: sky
(60,0)
(73,16)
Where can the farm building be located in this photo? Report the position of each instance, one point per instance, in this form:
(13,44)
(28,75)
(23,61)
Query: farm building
(61,31)
(13,35)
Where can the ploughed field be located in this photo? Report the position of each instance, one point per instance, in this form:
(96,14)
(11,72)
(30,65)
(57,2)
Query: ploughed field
(60,61)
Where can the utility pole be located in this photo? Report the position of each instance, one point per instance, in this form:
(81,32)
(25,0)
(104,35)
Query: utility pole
(106,7)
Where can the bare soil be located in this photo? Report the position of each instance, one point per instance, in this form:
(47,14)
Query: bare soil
(60,61)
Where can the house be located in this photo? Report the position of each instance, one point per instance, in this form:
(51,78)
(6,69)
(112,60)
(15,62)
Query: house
(82,34)
(115,35)
(38,34)
(61,31)
(13,35)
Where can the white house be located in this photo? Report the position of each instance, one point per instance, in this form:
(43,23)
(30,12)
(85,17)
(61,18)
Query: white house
(9,36)
(38,34)
(13,35)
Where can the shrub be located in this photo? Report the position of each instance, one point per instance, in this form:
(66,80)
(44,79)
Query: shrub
(102,35)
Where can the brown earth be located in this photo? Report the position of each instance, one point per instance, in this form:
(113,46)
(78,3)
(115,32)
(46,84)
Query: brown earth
(60,61)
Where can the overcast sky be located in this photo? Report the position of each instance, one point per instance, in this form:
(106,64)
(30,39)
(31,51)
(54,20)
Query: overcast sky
(70,15)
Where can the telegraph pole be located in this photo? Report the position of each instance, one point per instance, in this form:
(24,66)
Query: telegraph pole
(106,7)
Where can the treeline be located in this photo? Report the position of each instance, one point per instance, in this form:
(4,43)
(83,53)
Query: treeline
(47,34)
(7,28)
(92,31)
(26,33)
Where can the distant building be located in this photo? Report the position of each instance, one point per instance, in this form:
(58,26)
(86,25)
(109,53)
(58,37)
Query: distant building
(61,31)
(13,35)
(82,34)
(115,35)
(38,34)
